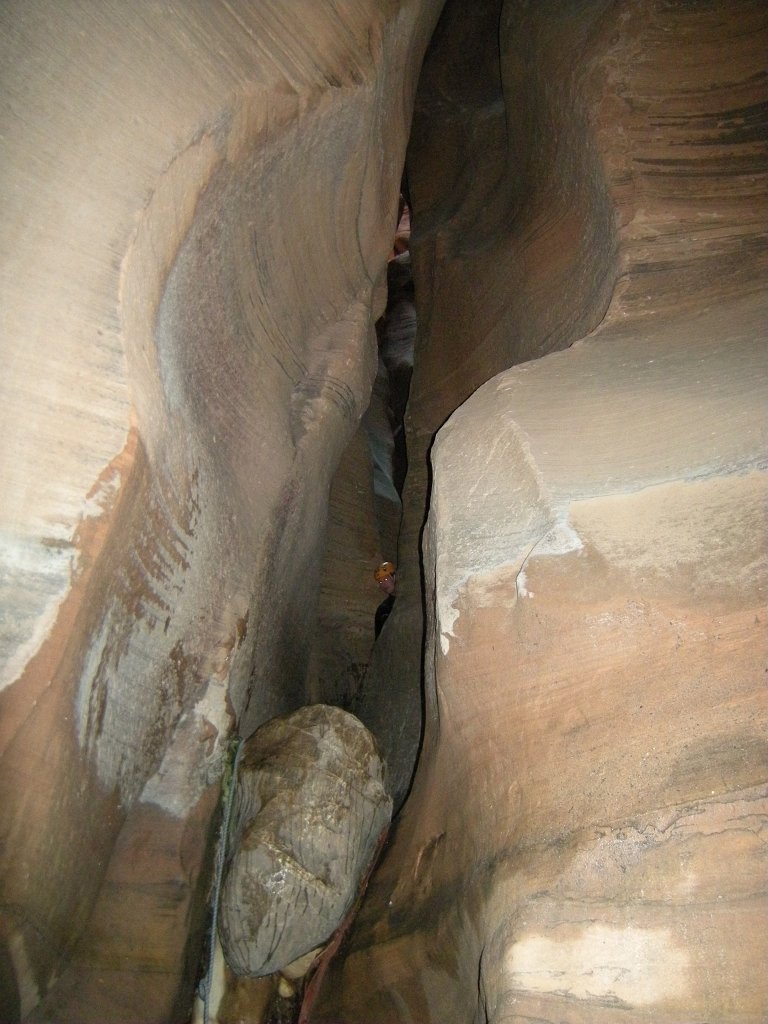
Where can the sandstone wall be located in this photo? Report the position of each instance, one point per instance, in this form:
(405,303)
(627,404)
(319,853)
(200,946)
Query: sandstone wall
(199,205)
(583,841)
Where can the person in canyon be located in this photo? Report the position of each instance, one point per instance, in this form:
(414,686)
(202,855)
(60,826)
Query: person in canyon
(385,580)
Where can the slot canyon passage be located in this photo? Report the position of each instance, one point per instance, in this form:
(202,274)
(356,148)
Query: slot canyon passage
(199,205)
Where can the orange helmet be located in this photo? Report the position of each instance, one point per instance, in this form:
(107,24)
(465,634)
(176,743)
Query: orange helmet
(384,570)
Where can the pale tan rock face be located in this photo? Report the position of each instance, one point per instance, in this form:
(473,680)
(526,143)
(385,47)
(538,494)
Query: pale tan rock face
(199,205)
(584,838)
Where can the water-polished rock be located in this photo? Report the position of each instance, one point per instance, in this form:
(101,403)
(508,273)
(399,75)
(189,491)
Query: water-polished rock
(310,807)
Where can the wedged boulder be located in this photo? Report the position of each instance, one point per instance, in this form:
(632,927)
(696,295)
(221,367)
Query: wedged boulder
(309,809)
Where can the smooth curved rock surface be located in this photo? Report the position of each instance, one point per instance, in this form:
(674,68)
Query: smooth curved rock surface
(584,838)
(199,208)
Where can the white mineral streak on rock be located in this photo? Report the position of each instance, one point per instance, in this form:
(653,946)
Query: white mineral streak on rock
(91,664)
(212,708)
(218,982)
(522,589)
(34,580)
(637,966)
(103,498)
(36,576)
(506,489)
(179,781)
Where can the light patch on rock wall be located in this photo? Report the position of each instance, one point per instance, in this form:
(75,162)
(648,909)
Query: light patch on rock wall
(659,388)
(34,582)
(628,966)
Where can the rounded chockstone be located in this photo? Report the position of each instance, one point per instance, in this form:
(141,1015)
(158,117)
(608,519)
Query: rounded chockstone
(309,809)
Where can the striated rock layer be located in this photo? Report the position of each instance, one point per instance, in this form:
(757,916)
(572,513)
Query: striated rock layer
(585,837)
(199,202)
